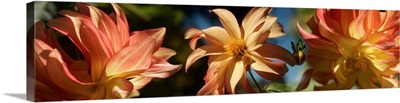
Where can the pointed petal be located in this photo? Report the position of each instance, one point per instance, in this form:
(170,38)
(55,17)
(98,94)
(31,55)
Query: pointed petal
(62,77)
(195,35)
(162,69)
(96,48)
(346,17)
(119,13)
(233,74)
(266,69)
(138,36)
(83,8)
(122,23)
(229,22)
(135,57)
(253,18)
(217,35)
(108,27)
(66,26)
(276,52)
(164,53)
(202,51)
(260,36)
(305,80)
(356,29)
(327,20)
(140,81)
(315,41)
(276,30)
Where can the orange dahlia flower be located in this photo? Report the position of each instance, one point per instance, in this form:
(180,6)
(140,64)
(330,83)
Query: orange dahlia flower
(116,64)
(352,47)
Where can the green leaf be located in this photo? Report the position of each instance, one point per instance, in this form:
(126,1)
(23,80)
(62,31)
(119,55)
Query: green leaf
(276,87)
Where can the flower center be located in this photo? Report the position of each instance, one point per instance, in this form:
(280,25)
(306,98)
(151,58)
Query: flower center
(357,63)
(236,48)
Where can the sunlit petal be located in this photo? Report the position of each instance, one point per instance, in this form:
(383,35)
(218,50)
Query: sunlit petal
(229,22)
(135,57)
(201,52)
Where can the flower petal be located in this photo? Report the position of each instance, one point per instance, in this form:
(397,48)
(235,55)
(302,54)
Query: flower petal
(276,30)
(326,19)
(267,69)
(108,27)
(245,84)
(122,23)
(322,71)
(260,36)
(356,29)
(217,35)
(233,74)
(305,80)
(339,70)
(134,57)
(253,18)
(138,36)
(140,81)
(215,77)
(343,43)
(202,51)
(42,52)
(195,35)
(277,52)
(62,77)
(66,26)
(164,53)
(120,87)
(80,70)
(96,48)
(229,22)
(83,8)
(162,69)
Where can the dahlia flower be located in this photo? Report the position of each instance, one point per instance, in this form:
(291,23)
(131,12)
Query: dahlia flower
(352,47)
(233,49)
(116,63)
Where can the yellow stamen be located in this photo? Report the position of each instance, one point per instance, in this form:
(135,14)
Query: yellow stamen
(236,48)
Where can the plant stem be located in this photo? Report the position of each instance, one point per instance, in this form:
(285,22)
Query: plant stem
(252,77)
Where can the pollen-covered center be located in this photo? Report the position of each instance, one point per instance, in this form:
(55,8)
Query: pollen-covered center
(236,48)
(357,63)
